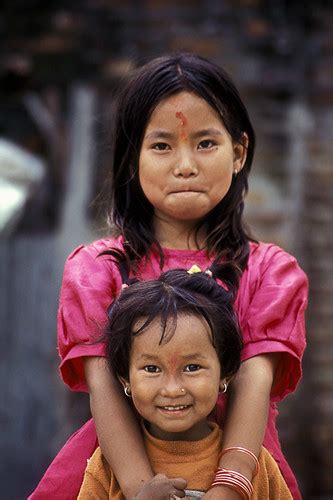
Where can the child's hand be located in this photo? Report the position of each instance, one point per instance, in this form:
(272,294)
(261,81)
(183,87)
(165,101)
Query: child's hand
(162,488)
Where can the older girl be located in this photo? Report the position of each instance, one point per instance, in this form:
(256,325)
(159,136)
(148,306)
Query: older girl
(183,150)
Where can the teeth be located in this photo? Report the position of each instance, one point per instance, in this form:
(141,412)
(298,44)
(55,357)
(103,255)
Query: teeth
(174,408)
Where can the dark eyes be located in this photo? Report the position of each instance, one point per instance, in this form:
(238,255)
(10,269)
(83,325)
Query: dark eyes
(160,146)
(206,144)
(151,369)
(156,369)
(192,368)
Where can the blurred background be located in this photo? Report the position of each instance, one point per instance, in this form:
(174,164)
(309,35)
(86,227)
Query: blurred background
(60,65)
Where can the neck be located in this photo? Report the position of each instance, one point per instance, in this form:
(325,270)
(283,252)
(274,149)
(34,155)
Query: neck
(199,431)
(180,235)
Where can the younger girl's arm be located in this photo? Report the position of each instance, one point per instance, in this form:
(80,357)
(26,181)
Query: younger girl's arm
(246,418)
(117,428)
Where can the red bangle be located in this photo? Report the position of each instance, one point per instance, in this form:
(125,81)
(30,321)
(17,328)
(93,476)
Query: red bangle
(246,452)
(234,480)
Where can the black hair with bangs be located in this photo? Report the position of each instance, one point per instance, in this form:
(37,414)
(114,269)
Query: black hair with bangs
(175,292)
(132,214)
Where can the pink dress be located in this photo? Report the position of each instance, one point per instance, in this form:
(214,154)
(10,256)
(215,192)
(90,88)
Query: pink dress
(271,301)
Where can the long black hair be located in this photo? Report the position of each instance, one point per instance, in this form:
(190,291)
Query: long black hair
(132,214)
(174,292)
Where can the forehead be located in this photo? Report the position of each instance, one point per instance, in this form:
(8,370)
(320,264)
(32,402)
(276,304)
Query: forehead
(185,104)
(188,333)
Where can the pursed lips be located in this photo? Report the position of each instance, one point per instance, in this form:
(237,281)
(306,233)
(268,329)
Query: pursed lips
(186,190)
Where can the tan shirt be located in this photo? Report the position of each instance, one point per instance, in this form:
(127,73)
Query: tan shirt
(195,461)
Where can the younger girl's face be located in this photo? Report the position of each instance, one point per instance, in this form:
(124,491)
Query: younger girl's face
(187,159)
(175,385)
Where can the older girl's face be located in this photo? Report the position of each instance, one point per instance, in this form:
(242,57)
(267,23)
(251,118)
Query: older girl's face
(187,159)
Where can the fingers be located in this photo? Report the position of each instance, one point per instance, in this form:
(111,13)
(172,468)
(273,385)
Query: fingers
(163,488)
(176,495)
(179,483)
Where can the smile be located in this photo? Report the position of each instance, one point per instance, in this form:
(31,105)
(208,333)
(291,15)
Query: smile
(174,408)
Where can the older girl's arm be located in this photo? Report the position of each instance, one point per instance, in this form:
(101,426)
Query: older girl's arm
(117,428)
(246,417)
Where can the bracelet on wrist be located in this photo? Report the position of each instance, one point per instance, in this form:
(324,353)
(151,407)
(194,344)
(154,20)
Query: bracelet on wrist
(246,452)
(234,480)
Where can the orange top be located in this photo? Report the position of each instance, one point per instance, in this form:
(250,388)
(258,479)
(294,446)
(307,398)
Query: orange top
(195,461)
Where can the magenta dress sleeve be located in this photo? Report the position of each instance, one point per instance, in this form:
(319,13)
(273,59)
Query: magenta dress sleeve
(90,283)
(271,304)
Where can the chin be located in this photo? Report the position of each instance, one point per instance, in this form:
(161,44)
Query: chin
(190,211)
(190,214)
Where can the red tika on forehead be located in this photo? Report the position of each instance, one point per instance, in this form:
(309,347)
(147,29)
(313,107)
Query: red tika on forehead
(182,118)
(172,360)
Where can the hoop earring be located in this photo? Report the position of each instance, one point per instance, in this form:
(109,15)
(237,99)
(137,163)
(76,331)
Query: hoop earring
(225,387)
(127,391)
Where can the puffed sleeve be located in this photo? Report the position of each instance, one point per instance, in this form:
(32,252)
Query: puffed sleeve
(271,303)
(90,283)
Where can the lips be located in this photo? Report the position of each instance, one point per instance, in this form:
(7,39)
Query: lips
(186,190)
(185,187)
(176,411)
(174,408)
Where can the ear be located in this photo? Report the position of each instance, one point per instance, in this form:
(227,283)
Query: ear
(124,382)
(225,382)
(240,152)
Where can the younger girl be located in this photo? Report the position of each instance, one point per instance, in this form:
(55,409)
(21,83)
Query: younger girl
(183,150)
(173,343)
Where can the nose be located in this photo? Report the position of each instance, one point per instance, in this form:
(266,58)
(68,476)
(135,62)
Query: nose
(186,166)
(172,387)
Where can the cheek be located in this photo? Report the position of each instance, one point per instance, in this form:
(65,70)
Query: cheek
(143,397)
(150,179)
(147,186)
(209,388)
(222,173)
(144,167)
(143,390)
(221,185)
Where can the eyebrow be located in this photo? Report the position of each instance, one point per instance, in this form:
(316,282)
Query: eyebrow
(206,131)
(160,134)
(195,355)
(148,356)
(163,134)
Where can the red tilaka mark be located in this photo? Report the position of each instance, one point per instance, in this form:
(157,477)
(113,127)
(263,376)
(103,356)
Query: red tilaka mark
(182,118)
(183,123)
(172,361)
